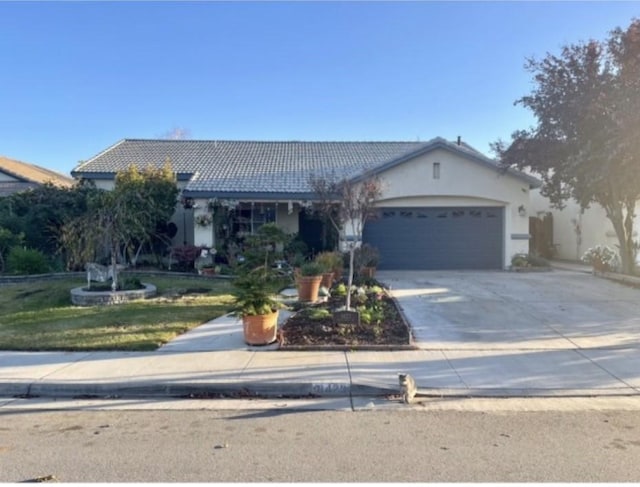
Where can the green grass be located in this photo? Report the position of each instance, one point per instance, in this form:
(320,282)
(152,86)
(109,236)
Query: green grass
(40,316)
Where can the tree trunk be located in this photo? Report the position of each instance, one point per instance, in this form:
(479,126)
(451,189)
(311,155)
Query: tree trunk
(114,267)
(352,251)
(623,226)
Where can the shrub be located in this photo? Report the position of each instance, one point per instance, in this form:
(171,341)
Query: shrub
(317,313)
(340,290)
(329,260)
(27,261)
(311,269)
(601,255)
(366,256)
(185,256)
(528,260)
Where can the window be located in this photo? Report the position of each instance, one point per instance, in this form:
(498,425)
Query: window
(249,217)
(436,170)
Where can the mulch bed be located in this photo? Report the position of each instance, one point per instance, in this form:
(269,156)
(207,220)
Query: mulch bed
(302,333)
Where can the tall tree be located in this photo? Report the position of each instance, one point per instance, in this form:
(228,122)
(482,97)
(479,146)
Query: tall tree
(151,194)
(347,205)
(122,218)
(586,144)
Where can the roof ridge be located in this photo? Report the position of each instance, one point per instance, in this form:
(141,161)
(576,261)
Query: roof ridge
(113,146)
(278,141)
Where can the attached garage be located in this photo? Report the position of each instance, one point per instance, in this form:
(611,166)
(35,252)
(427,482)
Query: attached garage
(438,237)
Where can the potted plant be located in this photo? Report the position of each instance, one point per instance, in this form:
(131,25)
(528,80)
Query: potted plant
(601,257)
(308,282)
(296,262)
(327,262)
(367,258)
(210,270)
(256,304)
(203,220)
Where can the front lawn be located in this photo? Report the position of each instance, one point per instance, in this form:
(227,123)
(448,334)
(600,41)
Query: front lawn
(40,316)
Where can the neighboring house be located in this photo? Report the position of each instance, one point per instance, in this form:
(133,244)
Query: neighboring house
(18,176)
(575,231)
(444,204)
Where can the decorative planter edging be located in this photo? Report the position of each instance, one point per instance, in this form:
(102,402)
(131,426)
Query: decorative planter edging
(80,297)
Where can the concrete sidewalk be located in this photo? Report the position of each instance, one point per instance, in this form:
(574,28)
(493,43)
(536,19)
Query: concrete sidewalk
(481,334)
(184,368)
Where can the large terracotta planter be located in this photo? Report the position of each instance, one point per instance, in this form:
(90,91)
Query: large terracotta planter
(368,272)
(308,287)
(327,280)
(337,273)
(260,329)
(599,266)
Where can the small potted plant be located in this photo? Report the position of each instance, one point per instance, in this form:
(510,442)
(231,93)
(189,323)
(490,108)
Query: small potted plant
(332,261)
(210,270)
(367,259)
(256,304)
(327,271)
(601,257)
(308,282)
(203,220)
(296,262)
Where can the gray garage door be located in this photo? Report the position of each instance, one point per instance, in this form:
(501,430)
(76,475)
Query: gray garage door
(437,238)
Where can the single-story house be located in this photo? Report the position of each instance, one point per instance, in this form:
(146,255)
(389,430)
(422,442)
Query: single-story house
(18,176)
(444,205)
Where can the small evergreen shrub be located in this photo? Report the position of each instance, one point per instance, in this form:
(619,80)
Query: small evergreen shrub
(27,261)
(528,260)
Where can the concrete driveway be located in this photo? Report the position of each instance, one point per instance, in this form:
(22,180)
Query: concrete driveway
(500,332)
(556,310)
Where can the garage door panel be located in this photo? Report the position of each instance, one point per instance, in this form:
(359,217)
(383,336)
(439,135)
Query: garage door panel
(438,238)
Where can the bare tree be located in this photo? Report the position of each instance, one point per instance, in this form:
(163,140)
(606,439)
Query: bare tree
(347,205)
(177,133)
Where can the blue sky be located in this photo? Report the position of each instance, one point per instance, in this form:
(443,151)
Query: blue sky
(76,77)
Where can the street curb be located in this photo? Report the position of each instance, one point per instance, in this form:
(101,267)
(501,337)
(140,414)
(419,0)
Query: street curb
(178,389)
(250,389)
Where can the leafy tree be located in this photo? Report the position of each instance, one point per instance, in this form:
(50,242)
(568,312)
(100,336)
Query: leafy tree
(151,194)
(39,213)
(347,205)
(122,219)
(585,145)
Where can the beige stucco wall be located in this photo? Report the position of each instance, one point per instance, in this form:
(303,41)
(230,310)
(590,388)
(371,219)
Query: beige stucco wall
(462,183)
(595,227)
(286,220)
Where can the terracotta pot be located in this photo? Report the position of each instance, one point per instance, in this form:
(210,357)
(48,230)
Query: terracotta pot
(327,279)
(337,273)
(308,287)
(208,271)
(368,272)
(260,329)
(599,266)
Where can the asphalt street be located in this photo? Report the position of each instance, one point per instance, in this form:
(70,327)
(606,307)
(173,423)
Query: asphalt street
(289,445)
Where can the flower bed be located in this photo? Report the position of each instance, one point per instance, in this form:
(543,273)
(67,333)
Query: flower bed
(381,325)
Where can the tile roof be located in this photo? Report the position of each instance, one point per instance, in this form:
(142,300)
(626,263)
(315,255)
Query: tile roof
(30,173)
(256,166)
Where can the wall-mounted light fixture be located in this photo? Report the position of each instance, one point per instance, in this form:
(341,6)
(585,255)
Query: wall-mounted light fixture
(522,211)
